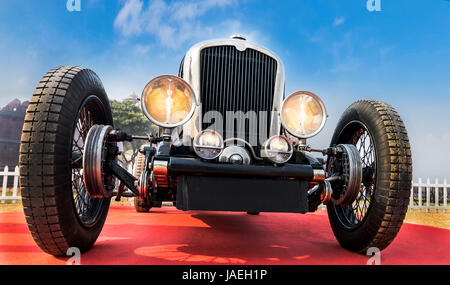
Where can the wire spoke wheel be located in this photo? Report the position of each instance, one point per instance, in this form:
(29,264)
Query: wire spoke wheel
(374,218)
(87,208)
(353,215)
(60,214)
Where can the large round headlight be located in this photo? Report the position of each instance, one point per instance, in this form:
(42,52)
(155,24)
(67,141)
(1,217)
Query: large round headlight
(208,144)
(277,149)
(168,101)
(303,114)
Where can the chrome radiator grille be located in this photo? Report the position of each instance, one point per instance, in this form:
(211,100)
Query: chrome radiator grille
(231,80)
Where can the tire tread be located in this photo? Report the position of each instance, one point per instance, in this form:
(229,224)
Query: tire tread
(41,161)
(394,177)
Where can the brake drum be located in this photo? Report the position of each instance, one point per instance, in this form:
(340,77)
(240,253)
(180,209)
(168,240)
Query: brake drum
(98,180)
(348,166)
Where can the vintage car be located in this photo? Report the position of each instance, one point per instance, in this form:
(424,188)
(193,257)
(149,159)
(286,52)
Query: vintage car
(229,140)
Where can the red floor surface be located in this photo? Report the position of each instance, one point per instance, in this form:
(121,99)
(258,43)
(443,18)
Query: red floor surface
(169,236)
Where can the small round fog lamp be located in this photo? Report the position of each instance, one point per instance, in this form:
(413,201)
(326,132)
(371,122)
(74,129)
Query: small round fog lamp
(208,144)
(277,149)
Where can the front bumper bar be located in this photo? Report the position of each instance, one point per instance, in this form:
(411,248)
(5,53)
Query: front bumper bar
(192,166)
(226,193)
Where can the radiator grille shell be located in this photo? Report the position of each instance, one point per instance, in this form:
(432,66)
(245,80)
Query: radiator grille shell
(242,75)
(233,80)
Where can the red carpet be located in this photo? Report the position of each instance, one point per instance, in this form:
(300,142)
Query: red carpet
(169,236)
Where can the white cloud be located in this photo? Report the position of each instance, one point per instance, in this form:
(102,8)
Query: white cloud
(171,23)
(343,52)
(190,10)
(338,21)
(142,49)
(128,20)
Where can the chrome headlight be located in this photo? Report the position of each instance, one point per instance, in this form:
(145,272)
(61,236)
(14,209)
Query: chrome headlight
(303,114)
(168,101)
(277,149)
(208,144)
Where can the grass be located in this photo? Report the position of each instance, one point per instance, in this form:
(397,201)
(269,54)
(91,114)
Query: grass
(440,220)
(123,202)
(10,207)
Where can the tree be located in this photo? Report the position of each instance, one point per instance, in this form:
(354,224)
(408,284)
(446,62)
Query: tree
(129,118)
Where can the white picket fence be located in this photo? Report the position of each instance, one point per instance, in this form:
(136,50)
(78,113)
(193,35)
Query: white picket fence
(424,196)
(435,195)
(5,174)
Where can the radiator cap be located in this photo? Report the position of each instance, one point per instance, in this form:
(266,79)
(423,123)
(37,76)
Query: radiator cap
(238,37)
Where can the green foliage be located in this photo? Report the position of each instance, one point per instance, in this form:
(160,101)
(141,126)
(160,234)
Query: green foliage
(129,118)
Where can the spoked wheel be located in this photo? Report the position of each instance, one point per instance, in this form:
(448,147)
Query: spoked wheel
(60,213)
(352,216)
(141,204)
(375,216)
(88,209)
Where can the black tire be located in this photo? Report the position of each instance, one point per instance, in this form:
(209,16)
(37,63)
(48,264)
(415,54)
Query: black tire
(58,210)
(386,186)
(140,204)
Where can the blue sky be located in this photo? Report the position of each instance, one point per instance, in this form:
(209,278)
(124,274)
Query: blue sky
(334,48)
